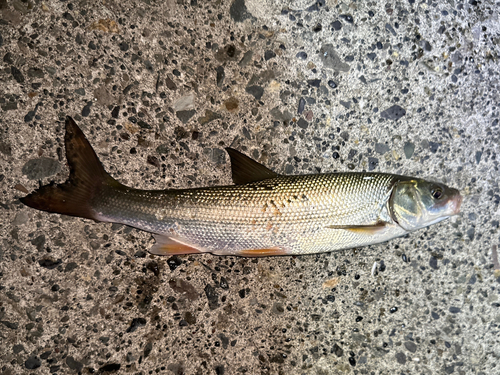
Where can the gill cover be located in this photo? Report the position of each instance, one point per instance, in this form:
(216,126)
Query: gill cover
(416,204)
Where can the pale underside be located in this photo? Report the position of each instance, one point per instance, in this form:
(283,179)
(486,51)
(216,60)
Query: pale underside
(287,214)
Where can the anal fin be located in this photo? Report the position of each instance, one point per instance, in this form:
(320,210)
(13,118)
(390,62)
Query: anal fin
(273,251)
(362,229)
(171,246)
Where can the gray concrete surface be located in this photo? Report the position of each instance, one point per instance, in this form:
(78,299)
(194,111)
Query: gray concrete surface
(160,88)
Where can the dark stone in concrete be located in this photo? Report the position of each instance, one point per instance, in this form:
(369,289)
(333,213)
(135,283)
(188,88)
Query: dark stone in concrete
(238,11)
(393,113)
(256,91)
(37,169)
(212,296)
(16,73)
(33,363)
(184,116)
(74,364)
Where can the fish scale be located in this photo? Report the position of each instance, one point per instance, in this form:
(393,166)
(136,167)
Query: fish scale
(269,213)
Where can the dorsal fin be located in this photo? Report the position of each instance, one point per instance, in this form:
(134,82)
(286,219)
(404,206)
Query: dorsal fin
(246,170)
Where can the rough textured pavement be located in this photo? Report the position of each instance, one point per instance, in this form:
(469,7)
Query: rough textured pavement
(160,88)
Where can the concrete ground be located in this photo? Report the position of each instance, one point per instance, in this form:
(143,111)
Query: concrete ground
(160,88)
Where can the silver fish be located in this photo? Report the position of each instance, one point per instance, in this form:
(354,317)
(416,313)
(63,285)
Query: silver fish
(263,214)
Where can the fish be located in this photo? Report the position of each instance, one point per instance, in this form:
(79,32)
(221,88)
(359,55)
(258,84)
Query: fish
(262,214)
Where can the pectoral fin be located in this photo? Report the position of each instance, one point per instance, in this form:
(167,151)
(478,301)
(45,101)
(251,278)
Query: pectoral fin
(362,229)
(173,246)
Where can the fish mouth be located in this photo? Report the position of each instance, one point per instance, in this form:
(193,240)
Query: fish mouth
(456,203)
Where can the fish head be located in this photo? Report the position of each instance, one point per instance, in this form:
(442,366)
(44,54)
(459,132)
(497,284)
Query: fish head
(415,204)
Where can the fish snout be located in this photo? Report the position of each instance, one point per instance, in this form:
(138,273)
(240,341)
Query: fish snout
(456,203)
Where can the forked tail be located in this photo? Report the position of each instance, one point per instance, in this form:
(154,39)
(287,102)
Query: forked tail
(87,180)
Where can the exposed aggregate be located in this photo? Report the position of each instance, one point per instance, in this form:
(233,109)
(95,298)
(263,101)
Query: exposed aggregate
(161,88)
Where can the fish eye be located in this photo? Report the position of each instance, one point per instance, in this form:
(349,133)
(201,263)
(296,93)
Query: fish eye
(437,192)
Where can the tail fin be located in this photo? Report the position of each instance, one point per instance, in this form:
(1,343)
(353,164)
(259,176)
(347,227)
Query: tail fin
(87,179)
